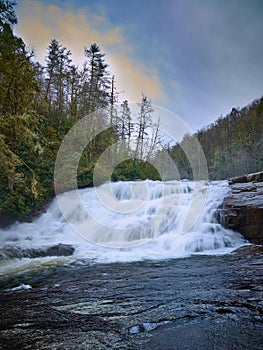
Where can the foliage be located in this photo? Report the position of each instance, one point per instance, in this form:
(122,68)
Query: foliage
(135,169)
(39,105)
(7,13)
(232,145)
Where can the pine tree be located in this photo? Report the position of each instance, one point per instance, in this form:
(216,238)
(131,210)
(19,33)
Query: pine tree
(58,70)
(19,85)
(98,81)
(7,14)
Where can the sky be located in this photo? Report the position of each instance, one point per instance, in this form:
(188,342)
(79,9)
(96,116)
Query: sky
(196,58)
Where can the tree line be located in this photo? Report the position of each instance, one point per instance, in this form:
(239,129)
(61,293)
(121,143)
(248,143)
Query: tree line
(233,145)
(40,104)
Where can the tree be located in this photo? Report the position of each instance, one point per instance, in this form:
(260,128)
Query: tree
(7,14)
(58,71)
(19,139)
(9,163)
(74,93)
(98,82)
(155,140)
(232,145)
(19,85)
(19,89)
(144,121)
(126,125)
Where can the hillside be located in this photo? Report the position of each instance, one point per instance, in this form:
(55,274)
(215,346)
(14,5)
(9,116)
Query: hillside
(233,145)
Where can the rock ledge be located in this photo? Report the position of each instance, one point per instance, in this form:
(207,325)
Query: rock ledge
(242,209)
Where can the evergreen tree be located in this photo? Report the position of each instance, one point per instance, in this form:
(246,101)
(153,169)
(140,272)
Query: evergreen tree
(58,82)
(126,125)
(18,137)
(7,14)
(19,85)
(98,81)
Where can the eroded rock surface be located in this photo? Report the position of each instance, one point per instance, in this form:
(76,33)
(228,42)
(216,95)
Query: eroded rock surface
(197,303)
(243,207)
(11,252)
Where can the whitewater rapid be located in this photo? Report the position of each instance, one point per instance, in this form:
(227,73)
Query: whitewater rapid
(133,221)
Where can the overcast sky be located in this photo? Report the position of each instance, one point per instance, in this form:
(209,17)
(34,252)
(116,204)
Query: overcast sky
(196,58)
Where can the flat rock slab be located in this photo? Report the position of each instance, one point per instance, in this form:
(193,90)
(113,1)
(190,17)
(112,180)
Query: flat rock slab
(255,177)
(241,199)
(11,252)
(196,303)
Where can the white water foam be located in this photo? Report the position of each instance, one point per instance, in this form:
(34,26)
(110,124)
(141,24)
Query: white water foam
(22,286)
(165,239)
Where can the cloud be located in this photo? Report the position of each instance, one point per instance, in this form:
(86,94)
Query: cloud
(40,22)
(136,78)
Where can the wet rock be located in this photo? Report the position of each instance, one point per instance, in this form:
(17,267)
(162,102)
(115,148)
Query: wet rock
(10,252)
(6,220)
(242,209)
(195,303)
(255,177)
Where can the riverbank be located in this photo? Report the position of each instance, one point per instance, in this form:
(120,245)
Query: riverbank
(196,303)
(242,208)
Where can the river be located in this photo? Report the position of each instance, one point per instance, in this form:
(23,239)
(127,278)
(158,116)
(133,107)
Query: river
(149,269)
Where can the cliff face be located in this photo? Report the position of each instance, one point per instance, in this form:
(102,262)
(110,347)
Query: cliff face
(242,209)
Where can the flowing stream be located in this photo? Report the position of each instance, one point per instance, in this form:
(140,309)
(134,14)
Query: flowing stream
(120,222)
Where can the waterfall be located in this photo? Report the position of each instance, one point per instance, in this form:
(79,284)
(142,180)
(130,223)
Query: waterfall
(128,221)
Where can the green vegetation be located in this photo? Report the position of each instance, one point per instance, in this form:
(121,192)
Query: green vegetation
(39,105)
(233,145)
(134,169)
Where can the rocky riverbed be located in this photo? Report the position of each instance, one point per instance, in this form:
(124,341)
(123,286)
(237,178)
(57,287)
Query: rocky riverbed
(200,302)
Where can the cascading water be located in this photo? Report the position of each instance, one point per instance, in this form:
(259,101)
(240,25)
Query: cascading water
(144,220)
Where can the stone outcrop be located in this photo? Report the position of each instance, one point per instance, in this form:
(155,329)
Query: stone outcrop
(198,303)
(255,178)
(242,209)
(10,252)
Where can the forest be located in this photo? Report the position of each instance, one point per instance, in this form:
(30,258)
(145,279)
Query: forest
(40,104)
(233,144)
